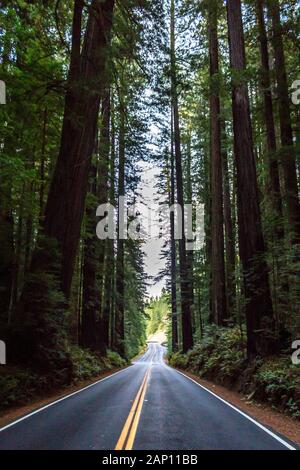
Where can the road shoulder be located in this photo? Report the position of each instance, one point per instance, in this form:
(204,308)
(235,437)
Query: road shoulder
(280,423)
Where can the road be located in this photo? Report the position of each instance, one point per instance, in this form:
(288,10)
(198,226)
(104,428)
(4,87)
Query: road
(148,406)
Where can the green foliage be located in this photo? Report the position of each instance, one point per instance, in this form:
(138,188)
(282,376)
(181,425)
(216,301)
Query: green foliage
(19,386)
(277,381)
(178,360)
(85,364)
(220,357)
(115,360)
(40,339)
(157,310)
(135,318)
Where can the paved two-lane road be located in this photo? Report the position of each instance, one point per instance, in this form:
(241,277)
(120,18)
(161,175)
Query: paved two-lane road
(148,406)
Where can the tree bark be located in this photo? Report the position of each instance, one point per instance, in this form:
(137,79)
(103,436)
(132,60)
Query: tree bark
(6,248)
(120,272)
(259,311)
(275,191)
(219,310)
(190,252)
(229,230)
(175,341)
(187,333)
(288,151)
(94,326)
(105,245)
(66,200)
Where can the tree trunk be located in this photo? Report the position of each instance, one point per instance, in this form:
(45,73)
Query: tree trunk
(259,311)
(275,193)
(6,248)
(106,251)
(173,248)
(120,281)
(187,333)
(229,230)
(190,252)
(219,312)
(43,163)
(45,301)
(91,306)
(110,289)
(288,151)
(94,325)
(66,200)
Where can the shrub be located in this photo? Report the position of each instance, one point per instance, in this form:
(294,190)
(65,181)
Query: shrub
(178,360)
(221,357)
(116,361)
(85,364)
(19,386)
(277,381)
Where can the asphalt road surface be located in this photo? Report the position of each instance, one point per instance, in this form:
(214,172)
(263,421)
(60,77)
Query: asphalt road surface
(148,406)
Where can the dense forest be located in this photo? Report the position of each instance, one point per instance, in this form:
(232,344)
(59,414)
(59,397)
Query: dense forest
(205,91)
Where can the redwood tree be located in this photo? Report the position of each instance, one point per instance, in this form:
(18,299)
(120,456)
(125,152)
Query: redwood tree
(187,333)
(46,294)
(218,263)
(288,151)
(259,311)
(66,200)
(275,191)
(119,339)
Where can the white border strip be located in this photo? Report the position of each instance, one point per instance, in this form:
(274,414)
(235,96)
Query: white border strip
(283,442)
(60,399)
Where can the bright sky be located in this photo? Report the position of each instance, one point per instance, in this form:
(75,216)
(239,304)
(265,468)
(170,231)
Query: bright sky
(152,247)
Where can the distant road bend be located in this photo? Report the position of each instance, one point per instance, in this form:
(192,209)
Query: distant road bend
(148,406)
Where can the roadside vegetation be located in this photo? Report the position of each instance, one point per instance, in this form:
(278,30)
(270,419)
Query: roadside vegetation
(21,386)
(157,311)
(221,357)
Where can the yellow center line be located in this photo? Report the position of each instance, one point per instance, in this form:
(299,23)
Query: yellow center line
(134,427)
(130,429)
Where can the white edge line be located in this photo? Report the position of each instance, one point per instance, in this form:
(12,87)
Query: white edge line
(59,400)
(240,412)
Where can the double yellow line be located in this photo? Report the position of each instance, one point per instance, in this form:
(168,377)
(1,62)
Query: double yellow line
(128,434)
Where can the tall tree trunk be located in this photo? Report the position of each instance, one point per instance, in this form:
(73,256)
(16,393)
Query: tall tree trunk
(45,301)
(110,290)
(94,325)
(120,273)
(106,248)
(275,192)
(288,150)
(189,200)
(259,311)
(229,230)
(6,248)
(208,239)
(66,200)
(91,306)
(219,312)
(187,333)
(173,247)
(43,162)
